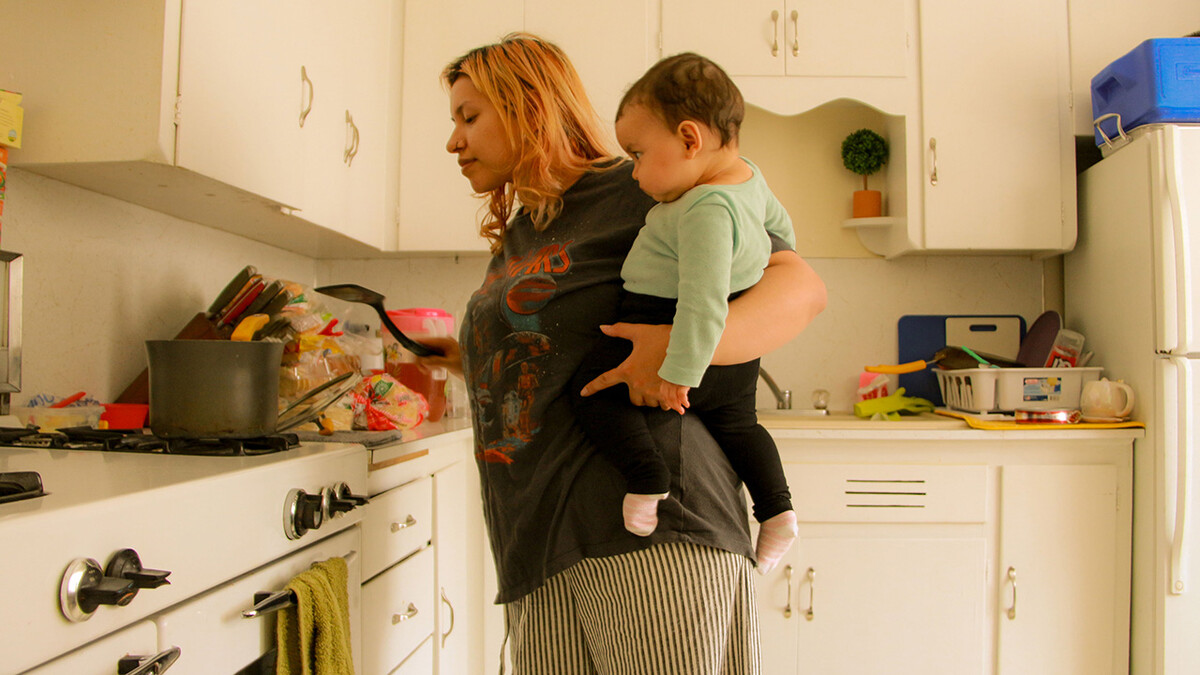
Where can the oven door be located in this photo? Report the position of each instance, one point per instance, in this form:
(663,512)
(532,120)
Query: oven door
(103,656)
(214,637)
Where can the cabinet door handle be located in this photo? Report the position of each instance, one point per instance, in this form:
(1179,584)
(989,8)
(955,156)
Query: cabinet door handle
(451,607)
(408,522)
(812,586)
(351,140)
(933,151)
(305,104)
(787,609)
(408,614)
(795,33)
(1012,579)
(775,30)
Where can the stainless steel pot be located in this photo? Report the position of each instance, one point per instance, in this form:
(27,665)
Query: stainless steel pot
(213,388)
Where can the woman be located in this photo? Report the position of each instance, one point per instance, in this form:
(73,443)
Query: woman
(581,594)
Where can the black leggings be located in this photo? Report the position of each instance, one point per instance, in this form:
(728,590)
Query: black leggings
(724,401)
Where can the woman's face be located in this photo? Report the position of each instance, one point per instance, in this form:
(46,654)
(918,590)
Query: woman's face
(485,156)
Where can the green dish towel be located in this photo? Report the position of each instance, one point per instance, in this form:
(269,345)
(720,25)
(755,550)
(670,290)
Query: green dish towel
(313,637)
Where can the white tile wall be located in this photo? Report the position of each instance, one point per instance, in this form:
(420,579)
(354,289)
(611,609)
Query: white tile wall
(102,276)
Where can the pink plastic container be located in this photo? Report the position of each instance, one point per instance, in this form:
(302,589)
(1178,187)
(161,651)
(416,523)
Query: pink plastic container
(418,323)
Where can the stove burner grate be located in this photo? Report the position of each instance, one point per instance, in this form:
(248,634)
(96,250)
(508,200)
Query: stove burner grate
(112,440)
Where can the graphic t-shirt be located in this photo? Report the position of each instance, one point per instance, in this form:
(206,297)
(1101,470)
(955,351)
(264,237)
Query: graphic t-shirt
(549,498)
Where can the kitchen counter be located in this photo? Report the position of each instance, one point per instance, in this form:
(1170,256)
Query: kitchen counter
(924,426)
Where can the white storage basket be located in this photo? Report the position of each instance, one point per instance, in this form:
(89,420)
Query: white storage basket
(983,390)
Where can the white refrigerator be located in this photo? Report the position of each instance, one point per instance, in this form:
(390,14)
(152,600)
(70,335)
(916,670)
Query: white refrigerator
(1133,289)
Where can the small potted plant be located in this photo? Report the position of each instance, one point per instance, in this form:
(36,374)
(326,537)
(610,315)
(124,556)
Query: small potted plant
(864,152)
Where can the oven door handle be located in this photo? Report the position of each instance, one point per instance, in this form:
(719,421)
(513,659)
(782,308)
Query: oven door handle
(152,665)
(266,602)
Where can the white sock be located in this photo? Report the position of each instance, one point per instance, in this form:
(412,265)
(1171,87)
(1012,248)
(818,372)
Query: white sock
(641,513)
(775,537)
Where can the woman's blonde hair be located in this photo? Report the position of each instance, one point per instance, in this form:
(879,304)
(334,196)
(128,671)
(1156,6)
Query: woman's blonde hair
(551,124)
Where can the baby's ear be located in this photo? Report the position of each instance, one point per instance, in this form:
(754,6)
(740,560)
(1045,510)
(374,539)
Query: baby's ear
(689,132)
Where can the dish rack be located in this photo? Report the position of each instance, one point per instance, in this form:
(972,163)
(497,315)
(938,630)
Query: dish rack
(984,390)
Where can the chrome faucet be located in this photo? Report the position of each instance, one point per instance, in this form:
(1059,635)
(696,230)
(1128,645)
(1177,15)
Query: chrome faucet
(783,398)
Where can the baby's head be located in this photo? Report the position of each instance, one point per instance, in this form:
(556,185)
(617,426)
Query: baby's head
(679,123)
(689,87)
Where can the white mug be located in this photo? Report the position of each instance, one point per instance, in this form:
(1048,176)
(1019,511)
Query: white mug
(1106,400)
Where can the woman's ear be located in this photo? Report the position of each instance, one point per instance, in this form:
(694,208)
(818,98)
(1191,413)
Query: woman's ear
(689,133)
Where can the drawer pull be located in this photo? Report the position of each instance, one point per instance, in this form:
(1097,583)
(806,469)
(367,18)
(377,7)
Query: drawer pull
(148,665)
(408,522)
(1012,578)
(787,609)
(408,614)
(796,25)
(306,106)
(812,585)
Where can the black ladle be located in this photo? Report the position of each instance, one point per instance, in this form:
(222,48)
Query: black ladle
(356,293)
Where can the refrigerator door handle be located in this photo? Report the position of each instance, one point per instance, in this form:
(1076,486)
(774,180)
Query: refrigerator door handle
(1184,321)
(1183,476)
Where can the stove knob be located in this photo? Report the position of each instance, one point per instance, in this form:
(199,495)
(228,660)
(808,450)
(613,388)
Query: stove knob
(84,588)
(303,512)
(125,564)
(342,500)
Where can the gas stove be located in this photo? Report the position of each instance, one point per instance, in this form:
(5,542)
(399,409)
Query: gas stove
(87,438)
(202,516)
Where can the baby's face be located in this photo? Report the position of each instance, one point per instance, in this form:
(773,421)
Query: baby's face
(659,154)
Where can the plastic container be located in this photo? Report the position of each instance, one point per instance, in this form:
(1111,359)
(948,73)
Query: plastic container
(50,419)
(984,390)
(1157,81)
(418,323)
(124,415)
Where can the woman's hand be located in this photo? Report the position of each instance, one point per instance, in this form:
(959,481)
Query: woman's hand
(451,358)
(639,372)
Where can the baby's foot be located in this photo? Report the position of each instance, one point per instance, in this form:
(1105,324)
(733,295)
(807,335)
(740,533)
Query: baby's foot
(775,537)
(641,513)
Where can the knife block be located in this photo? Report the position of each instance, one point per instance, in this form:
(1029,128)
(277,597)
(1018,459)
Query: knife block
(199,328)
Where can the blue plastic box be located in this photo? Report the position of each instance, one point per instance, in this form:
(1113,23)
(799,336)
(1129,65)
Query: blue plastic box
(1159,81)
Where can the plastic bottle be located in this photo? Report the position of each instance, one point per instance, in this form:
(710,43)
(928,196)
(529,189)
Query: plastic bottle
(418,323)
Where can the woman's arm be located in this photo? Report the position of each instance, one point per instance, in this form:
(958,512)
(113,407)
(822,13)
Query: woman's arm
(772,312)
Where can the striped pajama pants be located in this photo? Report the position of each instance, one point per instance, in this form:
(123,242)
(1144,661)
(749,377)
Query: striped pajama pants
(671,609)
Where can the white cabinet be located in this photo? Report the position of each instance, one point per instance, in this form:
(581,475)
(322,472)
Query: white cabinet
(906,545)
(1063,573)
(997,127)
(891,557)
(858,38)
(990,168)
(238,115)
(424,548)
(458,549)
(609,44)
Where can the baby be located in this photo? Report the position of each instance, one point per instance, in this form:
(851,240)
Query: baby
(704,242)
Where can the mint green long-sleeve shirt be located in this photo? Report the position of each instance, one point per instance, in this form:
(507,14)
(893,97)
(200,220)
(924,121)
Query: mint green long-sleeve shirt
(700,248)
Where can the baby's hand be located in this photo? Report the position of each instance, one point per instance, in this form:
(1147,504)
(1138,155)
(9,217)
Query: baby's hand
(673,396)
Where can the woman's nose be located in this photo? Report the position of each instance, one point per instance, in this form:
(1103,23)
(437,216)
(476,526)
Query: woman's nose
(453,144)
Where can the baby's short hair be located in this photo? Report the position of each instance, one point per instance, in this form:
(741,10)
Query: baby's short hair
(690,87)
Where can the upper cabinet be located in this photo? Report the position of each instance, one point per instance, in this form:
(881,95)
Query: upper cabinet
(976,102)
(268,118)
(609,43)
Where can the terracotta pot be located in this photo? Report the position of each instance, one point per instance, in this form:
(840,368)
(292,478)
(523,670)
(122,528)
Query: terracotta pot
(867,204)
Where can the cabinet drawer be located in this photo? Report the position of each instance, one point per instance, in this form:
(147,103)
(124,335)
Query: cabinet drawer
(398,608)
(880,493)
(397,522)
